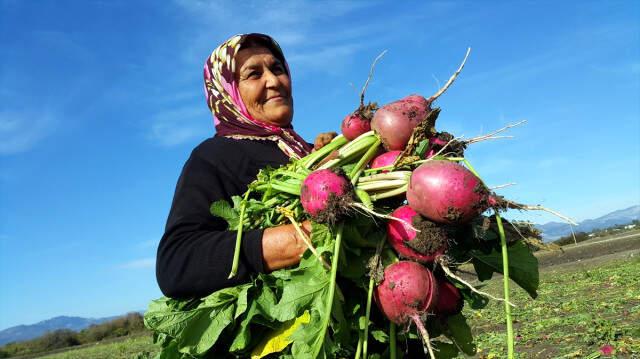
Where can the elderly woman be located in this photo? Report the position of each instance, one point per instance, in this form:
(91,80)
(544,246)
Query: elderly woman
(248,90)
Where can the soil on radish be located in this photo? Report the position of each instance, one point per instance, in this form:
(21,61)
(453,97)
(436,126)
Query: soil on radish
(431,238)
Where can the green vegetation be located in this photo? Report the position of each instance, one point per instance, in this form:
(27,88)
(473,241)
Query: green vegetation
(578,310)
(131,323)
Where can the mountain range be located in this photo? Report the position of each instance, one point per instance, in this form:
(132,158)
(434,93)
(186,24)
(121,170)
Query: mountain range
(26,332)
(555,230)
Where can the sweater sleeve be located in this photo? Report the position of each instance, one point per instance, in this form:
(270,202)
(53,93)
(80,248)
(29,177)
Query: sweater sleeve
(196,251)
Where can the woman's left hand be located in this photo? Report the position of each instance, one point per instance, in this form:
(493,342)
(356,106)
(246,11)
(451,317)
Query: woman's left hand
(322,139)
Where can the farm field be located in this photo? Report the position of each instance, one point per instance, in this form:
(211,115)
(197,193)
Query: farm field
(582,306)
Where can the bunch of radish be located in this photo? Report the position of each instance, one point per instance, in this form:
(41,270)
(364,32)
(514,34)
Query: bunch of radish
(391,169)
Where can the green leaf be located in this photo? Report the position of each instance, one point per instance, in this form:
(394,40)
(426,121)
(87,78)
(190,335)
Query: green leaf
(224,210)
(195,331)
(460,332)
(380,336)
(422,147)
(523,266)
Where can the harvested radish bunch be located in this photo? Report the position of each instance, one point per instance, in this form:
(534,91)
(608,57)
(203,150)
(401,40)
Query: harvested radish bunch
(326,195)
(446,192)
(425,246)
(449,298)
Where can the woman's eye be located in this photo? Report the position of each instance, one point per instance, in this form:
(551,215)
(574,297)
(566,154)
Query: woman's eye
(278,69)
(253,75)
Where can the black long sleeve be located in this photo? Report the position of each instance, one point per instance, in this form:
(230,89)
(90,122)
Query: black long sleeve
(196,251)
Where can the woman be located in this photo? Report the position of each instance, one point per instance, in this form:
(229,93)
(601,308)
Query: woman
(248,90)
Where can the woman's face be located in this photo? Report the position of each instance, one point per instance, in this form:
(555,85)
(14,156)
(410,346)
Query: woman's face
(264,86)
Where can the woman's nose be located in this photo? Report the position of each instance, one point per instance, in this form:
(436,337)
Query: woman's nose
(271,80)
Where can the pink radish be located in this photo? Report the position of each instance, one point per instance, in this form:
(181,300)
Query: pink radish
(394,122)
(450,300)
(430,243)
(355,125)
(385,159)
(407,291)
(326,195)
(446,192)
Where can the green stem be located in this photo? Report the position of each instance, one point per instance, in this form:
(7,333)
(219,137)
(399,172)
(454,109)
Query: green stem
(357,170)
(392,341)
(387,194)
(505,270)
(332,290)
(470,167)
(314,157)
(352,152)
(366,318)
(282,187)
(236,250)
(405,175)
(300,176)
(380,185)
(359,347)
(364,198)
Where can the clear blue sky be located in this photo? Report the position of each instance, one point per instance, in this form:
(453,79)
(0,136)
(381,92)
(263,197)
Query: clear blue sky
(101,103)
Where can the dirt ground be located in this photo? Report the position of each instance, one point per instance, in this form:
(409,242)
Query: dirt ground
(592,251)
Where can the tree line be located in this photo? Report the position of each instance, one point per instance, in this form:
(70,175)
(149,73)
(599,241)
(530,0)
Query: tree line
(64,338)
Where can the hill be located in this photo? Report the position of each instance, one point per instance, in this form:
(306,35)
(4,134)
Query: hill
(555,230)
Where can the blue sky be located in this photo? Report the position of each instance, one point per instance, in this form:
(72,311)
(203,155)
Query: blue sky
(101,104)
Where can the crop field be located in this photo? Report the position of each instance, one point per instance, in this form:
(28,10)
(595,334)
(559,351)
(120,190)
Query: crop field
(585,308)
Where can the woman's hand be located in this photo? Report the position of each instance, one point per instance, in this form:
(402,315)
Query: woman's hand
(282,246)
(322,139)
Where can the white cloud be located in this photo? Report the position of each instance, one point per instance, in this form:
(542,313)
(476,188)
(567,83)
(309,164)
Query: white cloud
(143,263)
(21,131)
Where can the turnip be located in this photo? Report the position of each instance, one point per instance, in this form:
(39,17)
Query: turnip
(406,294)
(326,195)
(425,246)
(394,122)
(446,192)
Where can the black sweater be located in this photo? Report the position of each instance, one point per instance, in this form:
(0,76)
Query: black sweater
(195,253)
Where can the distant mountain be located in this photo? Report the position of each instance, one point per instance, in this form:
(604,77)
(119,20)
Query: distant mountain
(26,332)
(555,230)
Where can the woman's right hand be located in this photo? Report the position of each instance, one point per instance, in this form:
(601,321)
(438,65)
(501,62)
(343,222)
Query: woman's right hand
(282,246)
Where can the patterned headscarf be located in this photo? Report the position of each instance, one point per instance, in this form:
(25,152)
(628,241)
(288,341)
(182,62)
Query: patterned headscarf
(231,117)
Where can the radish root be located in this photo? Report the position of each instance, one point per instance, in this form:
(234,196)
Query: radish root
(451,79)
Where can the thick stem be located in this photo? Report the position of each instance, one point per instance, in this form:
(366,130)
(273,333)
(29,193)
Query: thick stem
(392,193)
(357,170)
(364,198)
(332,290)
(381,185)
(505,270)
(386,176)
(367,316)
(314,157)
(393,345)
(236,250)
(351,153)
(359,347)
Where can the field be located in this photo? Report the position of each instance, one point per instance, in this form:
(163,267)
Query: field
(589,297)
